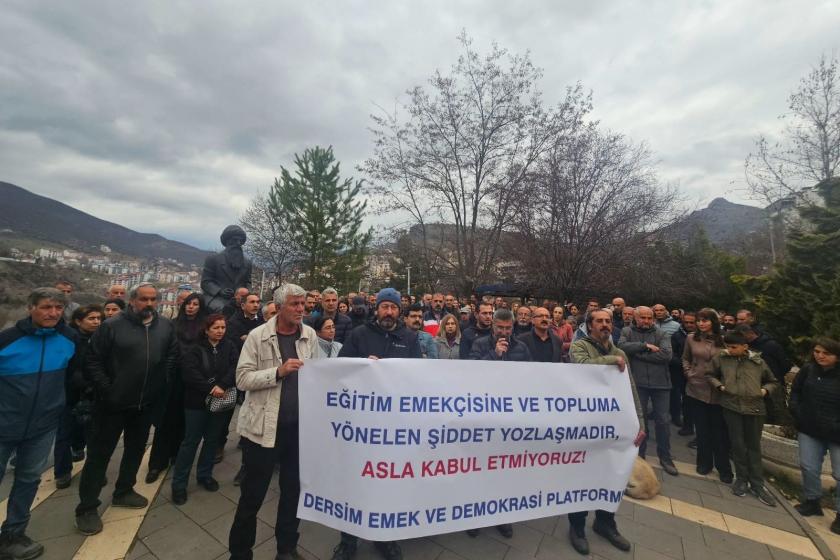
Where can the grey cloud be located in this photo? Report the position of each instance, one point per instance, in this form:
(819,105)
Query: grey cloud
(171,115)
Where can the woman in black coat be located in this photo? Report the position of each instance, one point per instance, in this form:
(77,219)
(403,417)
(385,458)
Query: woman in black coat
(815,405)
(208,369)
(169,425)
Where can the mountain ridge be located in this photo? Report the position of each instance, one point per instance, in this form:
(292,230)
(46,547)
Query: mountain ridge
(42,218)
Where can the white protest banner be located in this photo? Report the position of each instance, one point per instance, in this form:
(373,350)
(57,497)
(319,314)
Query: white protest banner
(396,449)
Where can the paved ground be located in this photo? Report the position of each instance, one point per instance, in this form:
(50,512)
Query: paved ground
(694,518)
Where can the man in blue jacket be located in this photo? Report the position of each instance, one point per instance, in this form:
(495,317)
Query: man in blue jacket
(33,358)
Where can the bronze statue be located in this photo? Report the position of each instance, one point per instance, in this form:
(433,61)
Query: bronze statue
(226,271)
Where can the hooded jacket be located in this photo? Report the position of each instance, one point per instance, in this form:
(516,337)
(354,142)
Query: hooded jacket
(33,364)
(650,369)
(372,340)
(815,402)
(743,378)
(130,364)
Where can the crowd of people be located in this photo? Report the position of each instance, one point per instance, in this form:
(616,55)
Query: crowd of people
(75,379)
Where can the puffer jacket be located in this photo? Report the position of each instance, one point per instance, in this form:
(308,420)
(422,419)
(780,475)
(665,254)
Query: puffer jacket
(815,402)
(372,340)
(697,362)
(33,365)
(131,364)
(650,369)
(256,373)
(742,378)
(485,349)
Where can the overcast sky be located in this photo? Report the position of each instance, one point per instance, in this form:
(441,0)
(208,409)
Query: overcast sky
(168,116)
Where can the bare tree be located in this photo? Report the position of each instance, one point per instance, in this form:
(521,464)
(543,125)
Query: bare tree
(269,244)
(809,149)
(464,152)
(595,204)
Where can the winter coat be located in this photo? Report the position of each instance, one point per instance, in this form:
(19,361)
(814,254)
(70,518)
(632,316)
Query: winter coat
(428,346)
(131,364)
(329,348)
(588,351)
(668,325)
(773,355)
(528,339)
(697,362)
(650,369)
(469,336)
(815,402)
(677,349)
(238,326)
(204,367)
(485,349)
(742,378)
(565,333)
(372,340)
(446,352)
(33,366)
(256,373)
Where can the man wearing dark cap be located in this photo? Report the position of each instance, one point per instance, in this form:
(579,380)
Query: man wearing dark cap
(226,271)
(385,336)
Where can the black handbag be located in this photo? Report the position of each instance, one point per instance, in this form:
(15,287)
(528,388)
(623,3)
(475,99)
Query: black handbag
(217,404)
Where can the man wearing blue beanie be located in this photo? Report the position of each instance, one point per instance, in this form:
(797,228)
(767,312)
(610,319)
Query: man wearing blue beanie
(385,336)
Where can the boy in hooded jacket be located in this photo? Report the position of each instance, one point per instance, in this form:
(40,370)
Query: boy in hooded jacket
(743,381)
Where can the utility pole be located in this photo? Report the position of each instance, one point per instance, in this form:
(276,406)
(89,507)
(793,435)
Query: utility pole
(408,270)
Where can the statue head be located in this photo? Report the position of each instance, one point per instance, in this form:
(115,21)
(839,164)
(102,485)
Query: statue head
(233,236)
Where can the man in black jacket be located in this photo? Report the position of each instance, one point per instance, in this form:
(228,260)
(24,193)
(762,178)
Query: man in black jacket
(483,327)
(131,359)
(501,345)
(383,337)
(246,320)
(543,345)
(680,413)
(343,323)
(771,351)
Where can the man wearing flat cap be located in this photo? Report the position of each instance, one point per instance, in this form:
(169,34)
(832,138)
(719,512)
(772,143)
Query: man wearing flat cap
(226,271)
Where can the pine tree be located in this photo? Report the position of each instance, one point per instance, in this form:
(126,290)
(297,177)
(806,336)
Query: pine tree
(800,299)
(324,217)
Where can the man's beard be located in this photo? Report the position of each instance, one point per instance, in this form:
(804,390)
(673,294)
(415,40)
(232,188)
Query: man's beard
(388,323)
(234,257)
(145,312)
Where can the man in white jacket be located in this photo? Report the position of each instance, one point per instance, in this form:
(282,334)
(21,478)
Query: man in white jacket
(268,421)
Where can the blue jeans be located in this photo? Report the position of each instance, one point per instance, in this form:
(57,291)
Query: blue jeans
(811,455)
(198,425)
(32,457)
(661,399)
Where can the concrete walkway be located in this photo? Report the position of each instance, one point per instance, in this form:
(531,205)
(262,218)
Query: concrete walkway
(695,517)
